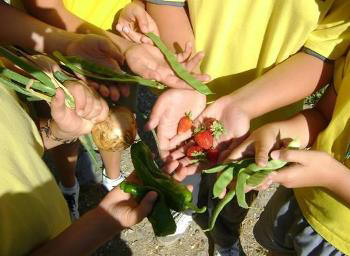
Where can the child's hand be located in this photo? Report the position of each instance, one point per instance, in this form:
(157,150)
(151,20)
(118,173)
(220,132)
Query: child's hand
(258,144)
(69,123)
(123,210)
(134,22)
(170,107)
(236,125)
(310,169)
(103,52)
(147,61)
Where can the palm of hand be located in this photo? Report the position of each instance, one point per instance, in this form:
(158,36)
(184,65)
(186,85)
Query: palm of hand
(121,207)
(170,108)
(235,122)
(142,58)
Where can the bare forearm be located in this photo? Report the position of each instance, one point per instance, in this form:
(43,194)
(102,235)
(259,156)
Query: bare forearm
(288,82)
(305,126)
(339,182)
(82,237)
(55,14)
(173,24)
(33,34)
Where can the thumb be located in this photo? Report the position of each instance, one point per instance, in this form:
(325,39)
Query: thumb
(154,119)
(141,18)
(262,149)
(146,205)
(58,106)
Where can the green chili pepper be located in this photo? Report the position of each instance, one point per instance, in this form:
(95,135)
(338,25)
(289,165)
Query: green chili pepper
(95,71)
(178,197)
(162,221)
(178,68)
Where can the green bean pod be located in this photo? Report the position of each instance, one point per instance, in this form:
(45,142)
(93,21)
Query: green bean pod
(228,197)
(178,68)
(97,72)
(223,181)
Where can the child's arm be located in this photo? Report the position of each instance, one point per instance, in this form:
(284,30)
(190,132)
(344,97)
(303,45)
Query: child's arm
(304,126)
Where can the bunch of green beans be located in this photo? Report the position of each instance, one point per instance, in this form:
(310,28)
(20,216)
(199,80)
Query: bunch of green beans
(246,173)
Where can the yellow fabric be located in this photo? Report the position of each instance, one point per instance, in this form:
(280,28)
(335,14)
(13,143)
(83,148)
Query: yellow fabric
(244,39)
(101,13)
(328,215)
(32,208)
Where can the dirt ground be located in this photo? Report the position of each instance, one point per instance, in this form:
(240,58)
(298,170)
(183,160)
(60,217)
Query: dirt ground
(139,240)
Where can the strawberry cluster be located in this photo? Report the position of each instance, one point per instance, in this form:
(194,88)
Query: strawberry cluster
(202,138)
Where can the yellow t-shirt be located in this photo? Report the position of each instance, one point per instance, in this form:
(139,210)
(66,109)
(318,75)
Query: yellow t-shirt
(32,208)
(328,215)
(243,39)
(101,13)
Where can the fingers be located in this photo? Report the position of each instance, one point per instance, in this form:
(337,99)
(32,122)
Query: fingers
(263,147)
(194,61)
(146,205)
(181,57)
(287,177)
(103,113)
(88,104)
(58,107)
(202,77)
(114,93)
(289,155)
(124,90)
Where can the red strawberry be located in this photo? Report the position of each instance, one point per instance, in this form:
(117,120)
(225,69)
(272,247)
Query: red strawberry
(195,152)
(204,139)
(213,155)
(184,124)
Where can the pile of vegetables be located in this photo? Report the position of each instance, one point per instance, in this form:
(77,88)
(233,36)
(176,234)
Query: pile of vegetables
(171,194)
(246,173)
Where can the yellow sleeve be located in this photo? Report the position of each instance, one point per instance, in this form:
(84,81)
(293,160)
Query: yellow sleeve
(179,3)
(331,38)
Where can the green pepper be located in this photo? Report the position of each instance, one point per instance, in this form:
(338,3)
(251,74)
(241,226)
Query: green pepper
(177,196)
(160,217)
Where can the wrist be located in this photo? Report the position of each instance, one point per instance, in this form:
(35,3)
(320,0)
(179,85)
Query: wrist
(106,223)
(55,133)
(339,173)
(234,104)
(122,44)
(60,41)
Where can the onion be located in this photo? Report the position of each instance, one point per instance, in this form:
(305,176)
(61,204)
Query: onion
(117,132)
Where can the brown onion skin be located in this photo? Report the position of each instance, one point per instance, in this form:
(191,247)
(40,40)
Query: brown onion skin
(117,132)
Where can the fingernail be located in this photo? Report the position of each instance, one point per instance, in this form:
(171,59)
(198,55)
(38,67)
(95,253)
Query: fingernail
(261,162)
(275,155)
(152,196)
(126,30)
(80,112)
